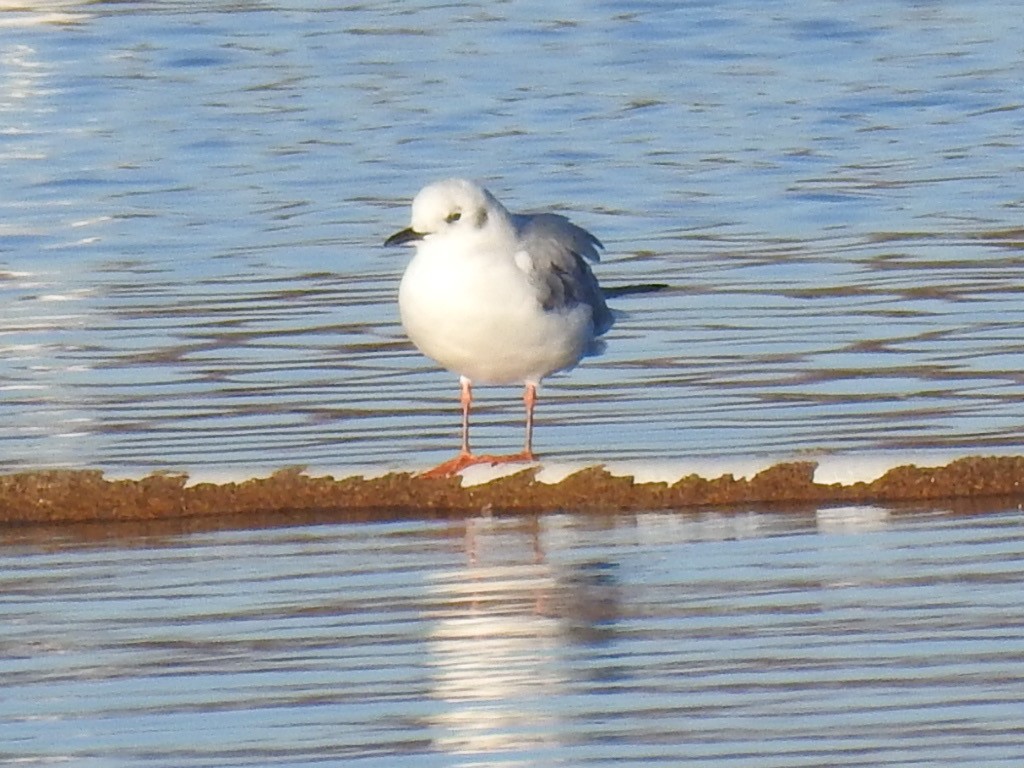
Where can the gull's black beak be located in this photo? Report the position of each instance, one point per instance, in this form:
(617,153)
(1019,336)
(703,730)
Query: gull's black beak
(407,235)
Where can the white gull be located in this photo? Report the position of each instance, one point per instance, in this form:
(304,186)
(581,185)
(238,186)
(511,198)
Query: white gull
(499,297)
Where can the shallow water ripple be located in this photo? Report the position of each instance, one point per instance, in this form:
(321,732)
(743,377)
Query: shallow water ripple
(852,637)
(196,194)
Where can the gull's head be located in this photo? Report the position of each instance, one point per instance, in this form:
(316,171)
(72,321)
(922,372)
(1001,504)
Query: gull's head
(449,207)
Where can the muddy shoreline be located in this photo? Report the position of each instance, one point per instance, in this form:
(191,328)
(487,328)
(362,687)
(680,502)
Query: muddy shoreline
(86,496)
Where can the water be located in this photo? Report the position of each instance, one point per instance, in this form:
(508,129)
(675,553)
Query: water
(195,195)
(193,201)
(852,636)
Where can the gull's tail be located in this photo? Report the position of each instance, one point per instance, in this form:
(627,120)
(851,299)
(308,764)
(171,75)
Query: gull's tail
(628,290)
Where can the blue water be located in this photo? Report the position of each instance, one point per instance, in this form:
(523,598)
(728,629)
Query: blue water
(854,636)
(193,203)
(196,194)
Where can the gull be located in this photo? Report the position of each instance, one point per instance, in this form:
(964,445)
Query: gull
(499,298)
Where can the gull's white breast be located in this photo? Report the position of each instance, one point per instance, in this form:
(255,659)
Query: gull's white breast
(478,314)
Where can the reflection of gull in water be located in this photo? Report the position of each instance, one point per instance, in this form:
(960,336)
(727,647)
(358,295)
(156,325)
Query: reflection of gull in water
(491,650)
(852,519)
(487,661)
(502,629)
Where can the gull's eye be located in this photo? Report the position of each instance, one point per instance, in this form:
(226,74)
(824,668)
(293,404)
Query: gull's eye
(452,217)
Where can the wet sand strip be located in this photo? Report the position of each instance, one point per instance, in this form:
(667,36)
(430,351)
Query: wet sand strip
(86,496)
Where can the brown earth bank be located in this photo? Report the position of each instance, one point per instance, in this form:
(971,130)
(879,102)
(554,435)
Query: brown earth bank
(86,496)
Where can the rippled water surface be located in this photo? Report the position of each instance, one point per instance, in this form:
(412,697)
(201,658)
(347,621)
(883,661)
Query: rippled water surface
(193,203)
(849,637)
(195,196)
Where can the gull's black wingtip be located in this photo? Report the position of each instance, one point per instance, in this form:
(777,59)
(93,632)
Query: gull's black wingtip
(629,290)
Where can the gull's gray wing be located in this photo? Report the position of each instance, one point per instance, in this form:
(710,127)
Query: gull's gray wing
(551,226)
(555,254)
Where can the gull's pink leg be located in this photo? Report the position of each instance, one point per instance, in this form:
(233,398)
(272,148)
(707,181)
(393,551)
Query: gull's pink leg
(466,399)
(466,457)
(530,399)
